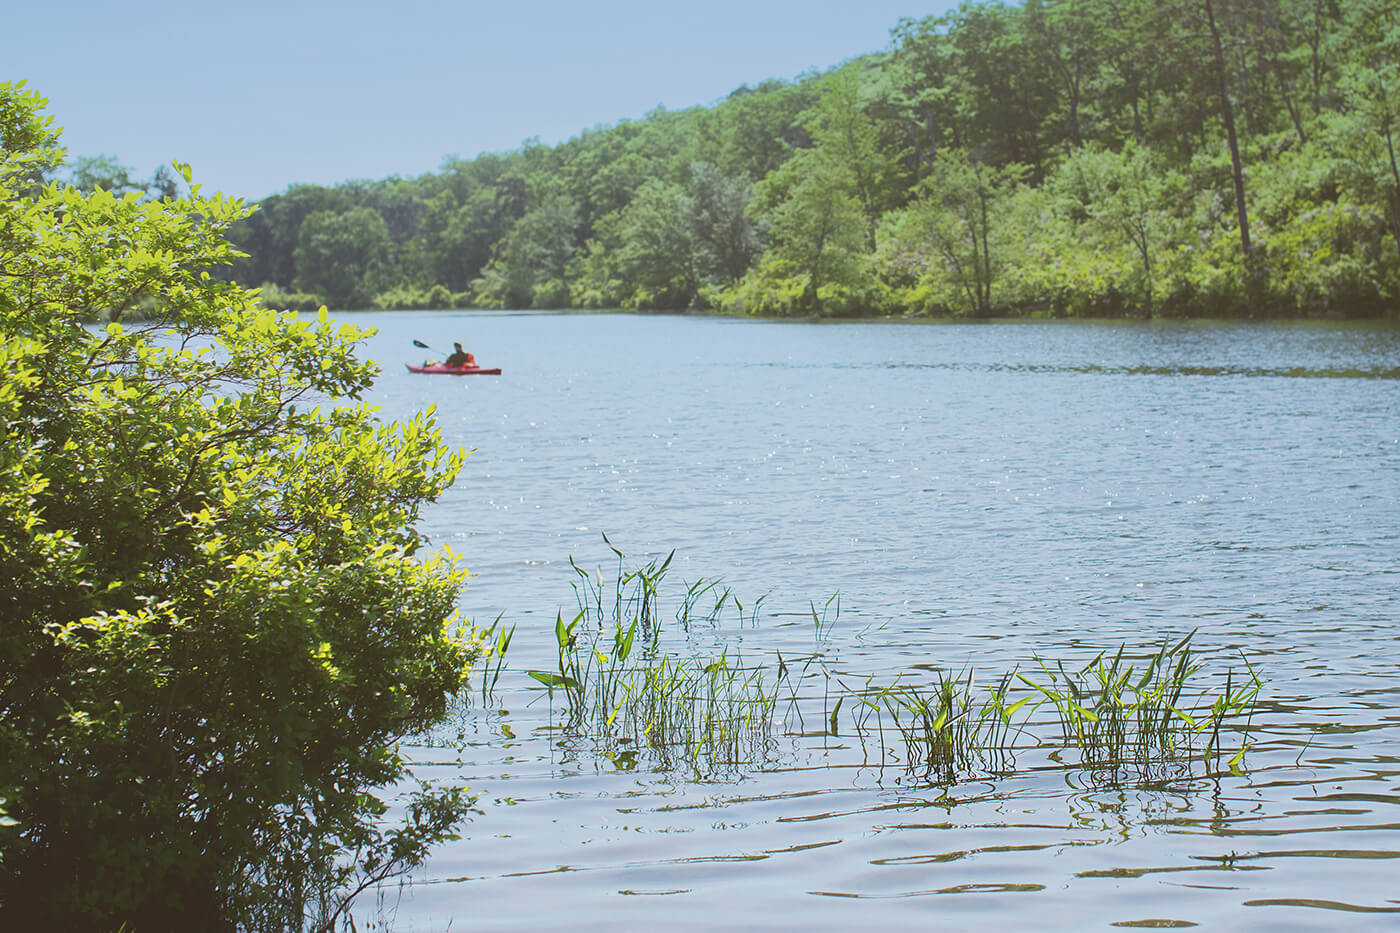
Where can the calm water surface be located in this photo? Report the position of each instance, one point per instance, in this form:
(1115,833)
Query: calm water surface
(978,495)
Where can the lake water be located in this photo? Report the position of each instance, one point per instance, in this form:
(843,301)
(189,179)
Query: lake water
(978,495)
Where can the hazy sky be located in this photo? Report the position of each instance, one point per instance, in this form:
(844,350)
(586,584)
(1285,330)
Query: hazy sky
(257,95)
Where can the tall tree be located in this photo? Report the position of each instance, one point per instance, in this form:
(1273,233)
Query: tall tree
(90,173)
(848,138)
(726,239)
(1001,88)
(920,70)
(344,256)
(270,236)
(1065,35)
(528,270)
(1369,129)
(1227,115)
(657,258)
(1120,196)
(817,240)
(954,230)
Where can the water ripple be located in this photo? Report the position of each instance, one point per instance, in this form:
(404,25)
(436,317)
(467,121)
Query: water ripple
(979,495)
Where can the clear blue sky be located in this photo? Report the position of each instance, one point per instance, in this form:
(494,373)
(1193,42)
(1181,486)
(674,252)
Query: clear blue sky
(257,95)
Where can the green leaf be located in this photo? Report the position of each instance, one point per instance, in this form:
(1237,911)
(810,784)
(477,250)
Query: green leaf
(552,680)
(625,647)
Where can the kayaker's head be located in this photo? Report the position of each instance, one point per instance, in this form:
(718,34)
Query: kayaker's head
(457,347)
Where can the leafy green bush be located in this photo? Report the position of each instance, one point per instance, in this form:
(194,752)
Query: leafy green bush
(413,298)
(215,622)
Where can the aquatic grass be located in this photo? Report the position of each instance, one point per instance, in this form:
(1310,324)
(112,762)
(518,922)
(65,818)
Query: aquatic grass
(944,731)
(822,624)
(625,690)
(792,685)
(711,713)
(497,639)
(1119,719)
(939,726)
(715,714)
(629,691)
(689,609)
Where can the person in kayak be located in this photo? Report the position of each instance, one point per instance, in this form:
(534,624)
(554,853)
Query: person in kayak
(460,358)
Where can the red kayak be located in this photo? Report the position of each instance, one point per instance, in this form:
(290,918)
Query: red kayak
(440,369)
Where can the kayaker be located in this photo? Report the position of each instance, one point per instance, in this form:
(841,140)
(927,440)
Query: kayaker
(460,358)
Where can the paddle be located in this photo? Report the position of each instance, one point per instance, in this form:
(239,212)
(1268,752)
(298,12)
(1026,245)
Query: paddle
(422,345)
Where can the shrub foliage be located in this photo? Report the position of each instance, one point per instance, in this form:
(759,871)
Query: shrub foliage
(216,619)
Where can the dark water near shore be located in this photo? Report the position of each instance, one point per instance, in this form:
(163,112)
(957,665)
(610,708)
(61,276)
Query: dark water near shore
(977,494)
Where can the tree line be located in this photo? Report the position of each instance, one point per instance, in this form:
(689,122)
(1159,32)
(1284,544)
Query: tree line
(1062,157)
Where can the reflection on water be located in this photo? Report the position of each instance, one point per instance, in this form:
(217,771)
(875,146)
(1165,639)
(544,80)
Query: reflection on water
(979,495)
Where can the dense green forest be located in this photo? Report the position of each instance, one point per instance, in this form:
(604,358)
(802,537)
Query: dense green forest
(1065,157)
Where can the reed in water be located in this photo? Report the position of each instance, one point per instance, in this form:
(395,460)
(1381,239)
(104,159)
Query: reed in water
(632,688)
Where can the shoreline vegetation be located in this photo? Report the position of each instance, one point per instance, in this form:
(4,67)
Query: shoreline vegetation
(1070,158)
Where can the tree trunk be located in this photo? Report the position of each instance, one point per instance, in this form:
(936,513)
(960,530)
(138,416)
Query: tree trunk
(932,134)
(1394,170)
(920,162)
(985,286)
(1141,238)
(1315,42)
(1228,113)
(1287,93)
(813,298)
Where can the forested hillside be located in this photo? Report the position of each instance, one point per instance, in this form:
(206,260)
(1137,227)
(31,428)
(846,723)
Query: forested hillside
(1068,157)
